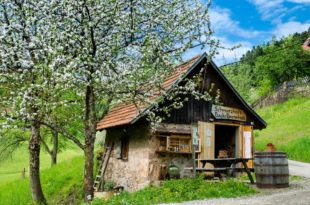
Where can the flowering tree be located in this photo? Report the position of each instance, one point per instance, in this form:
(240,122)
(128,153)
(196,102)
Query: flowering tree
(29,95)
(111,50)
(25,76)
(97,51)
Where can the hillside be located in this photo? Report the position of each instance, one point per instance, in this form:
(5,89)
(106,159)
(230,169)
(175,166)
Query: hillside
(62,184)
(11,168)
(288,128)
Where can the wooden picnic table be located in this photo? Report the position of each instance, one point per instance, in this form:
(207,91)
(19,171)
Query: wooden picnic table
(224,164)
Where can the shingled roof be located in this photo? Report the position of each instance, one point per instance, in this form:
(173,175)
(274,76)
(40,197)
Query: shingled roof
(125,113)
(129,113)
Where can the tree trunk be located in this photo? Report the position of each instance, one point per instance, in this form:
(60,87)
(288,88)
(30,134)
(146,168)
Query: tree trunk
(55,148)
(88,173)
(90,134)
(34,164)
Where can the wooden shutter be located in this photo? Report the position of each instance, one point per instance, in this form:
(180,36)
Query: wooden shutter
(239,142)
(206,132)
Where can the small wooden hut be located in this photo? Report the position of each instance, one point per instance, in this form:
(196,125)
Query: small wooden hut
(200,129)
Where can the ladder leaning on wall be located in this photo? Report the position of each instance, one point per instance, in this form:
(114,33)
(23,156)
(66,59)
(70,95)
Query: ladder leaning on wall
(102,167)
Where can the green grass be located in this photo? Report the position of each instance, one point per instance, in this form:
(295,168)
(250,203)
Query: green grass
(178,191)
(295,178)
(288,128)
(11,168)
(62,184)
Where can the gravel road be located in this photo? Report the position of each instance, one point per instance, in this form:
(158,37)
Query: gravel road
(299,169)
(297,194)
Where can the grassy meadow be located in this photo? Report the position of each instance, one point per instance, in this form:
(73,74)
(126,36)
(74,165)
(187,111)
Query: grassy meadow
(62,184)
(288,128)
(11,168)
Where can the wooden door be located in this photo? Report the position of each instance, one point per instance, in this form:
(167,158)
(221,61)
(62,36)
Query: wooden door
(248,144)
(206,132)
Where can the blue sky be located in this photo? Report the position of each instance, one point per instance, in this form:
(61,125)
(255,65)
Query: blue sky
(252,22)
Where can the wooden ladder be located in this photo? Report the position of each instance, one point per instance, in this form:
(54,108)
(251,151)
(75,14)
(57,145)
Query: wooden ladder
(102,167)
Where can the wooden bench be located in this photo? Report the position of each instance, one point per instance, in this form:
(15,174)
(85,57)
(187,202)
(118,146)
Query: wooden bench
(223,165)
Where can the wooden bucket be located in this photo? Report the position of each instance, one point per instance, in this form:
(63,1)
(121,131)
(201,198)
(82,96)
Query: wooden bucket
(271,169)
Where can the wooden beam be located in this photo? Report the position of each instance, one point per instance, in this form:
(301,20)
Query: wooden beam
(174,128)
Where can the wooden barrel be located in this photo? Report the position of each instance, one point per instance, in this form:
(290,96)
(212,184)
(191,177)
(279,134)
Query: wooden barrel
(271,169)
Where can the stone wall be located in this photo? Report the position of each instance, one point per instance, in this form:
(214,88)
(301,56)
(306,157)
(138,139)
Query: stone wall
(133,172)
(144,166)
(284,92)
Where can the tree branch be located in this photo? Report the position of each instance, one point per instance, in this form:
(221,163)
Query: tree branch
(46,147)
(65,134)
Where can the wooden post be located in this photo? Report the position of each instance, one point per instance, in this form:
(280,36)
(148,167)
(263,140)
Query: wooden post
(23,173)
(194,159)
(194,129)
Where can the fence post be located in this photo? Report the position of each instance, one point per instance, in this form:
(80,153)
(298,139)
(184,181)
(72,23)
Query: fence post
(23,173)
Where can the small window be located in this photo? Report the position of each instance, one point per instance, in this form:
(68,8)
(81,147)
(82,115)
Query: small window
(124,147)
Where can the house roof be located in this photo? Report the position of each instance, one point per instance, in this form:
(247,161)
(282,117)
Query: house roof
(125,113)
(129,113)
(306,45)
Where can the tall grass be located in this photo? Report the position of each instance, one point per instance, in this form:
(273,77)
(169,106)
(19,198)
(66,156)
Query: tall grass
(178,191)
(298,149)
(288,128)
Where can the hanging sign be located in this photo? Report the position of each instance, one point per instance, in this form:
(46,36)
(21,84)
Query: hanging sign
(228,113)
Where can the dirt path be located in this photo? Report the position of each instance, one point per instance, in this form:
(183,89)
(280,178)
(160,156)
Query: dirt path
(297,194)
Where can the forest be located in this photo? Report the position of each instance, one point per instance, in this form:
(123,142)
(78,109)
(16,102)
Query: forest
(266,66)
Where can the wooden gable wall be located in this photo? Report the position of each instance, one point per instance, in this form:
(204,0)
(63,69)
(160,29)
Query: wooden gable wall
(194,110)
(227,97)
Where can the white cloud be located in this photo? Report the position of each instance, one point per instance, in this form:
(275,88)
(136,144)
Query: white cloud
(226,29)
(221,22)
(300,1)
(225,54)
(230,33)
(275,10)
(228,56)
(285,29)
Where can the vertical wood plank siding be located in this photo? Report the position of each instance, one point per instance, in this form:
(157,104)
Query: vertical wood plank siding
(192,112)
